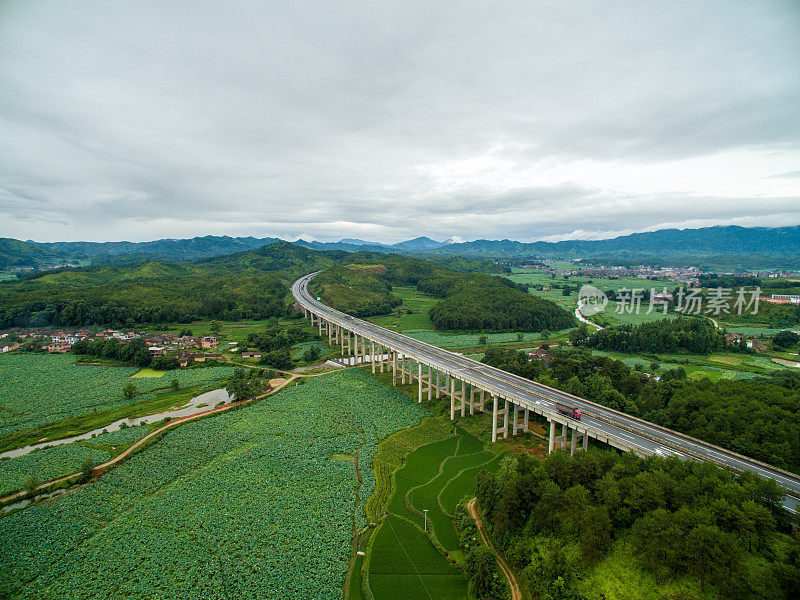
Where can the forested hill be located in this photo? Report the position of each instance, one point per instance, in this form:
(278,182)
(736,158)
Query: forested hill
(252,284)
(246,285)
(729,246)
(468,301)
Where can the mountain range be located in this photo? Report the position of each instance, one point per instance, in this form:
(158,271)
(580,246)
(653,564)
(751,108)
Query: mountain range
(728,244)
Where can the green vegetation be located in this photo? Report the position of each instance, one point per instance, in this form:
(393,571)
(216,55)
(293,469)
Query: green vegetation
(403,565)
(49,396)
(731,414)
(356,290)
(55,461)
(696,336)
(248,503)
(616,526)
(485,303)
(247,285)
(475,301)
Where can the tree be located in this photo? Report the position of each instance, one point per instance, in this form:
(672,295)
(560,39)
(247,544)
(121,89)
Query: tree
(545,334)
(520,336)
(165,363)
(129,391)
(480,566)
(216,327)
(312,354)
(175,384)
(87,470)
(483,340)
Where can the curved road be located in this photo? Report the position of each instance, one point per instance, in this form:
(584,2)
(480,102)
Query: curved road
(643,437)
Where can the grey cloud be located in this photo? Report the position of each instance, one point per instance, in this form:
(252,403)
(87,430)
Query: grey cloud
(184,118)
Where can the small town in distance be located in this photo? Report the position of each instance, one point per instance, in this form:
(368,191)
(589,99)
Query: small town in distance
(392,301)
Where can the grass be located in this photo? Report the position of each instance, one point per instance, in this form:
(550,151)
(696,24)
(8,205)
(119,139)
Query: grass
(148,373)
(413,314)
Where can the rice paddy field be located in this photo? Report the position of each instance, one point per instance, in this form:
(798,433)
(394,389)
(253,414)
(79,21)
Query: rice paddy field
(402,558)
(253,503)
(37,389)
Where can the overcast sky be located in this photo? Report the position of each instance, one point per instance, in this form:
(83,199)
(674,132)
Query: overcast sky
(384,121)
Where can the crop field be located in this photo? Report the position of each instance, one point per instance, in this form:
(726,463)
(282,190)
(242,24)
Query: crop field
(36,389)
(723,365)
(470,340)
(49,463)
(148,374)
(404,565)
(246,504)
(463,485)
(401,561)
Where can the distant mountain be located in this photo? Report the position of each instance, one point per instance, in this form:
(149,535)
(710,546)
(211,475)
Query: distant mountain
(735,246)
(708,241)
(358,242)
(418,244)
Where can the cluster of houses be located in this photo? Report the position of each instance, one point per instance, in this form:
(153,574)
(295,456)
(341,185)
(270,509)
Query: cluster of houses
(187,349)
(735,338)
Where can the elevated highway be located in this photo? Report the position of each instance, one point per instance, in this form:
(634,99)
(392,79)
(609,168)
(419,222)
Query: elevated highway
(471,385)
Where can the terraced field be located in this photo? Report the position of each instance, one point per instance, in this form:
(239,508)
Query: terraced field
(402,561)
(253,503)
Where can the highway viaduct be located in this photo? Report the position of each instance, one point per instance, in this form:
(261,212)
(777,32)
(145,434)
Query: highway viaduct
(475,387)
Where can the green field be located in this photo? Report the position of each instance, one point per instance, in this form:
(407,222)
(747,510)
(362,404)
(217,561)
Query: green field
(416,303)
(246,504)
(402,561)
(40,389)
(404,565)
(148,373)
(55,461)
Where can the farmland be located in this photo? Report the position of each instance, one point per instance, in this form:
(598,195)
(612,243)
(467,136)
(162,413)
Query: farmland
(49,463)
(434,468)
(39,389)
(250,503)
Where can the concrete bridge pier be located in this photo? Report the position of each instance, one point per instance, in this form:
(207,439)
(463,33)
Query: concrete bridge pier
(495,416)
(517,425)
(457,402)
(561,440)
(577,437)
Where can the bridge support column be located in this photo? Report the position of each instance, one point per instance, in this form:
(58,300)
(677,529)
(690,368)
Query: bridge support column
(578,436)
(372,355)
(515,420)
(419,380)
(457,402)
(506,410)
(560,440)
(430,383)
(394,367)
(494,418)
(382,350)
(471,400)
(552,443)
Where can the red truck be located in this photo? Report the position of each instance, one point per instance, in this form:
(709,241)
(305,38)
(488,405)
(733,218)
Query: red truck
(570,411)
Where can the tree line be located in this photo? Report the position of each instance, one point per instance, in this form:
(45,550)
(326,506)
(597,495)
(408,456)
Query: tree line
(683,334)
(680,521)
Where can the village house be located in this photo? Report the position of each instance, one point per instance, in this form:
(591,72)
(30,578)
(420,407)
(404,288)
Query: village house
(208,341)
(59,347)
(542,354)
(251,354)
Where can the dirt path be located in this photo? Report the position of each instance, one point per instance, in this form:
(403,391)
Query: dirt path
(513,585)
(99,470)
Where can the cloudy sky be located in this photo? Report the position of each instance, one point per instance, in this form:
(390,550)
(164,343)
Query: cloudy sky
(388,120)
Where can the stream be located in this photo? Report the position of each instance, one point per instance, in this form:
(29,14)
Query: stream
(195,405)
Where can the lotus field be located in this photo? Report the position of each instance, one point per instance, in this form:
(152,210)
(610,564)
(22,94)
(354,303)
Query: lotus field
(253,503)
(36,389)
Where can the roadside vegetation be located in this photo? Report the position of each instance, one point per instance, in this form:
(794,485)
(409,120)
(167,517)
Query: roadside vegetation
(731,414)
(609,525)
